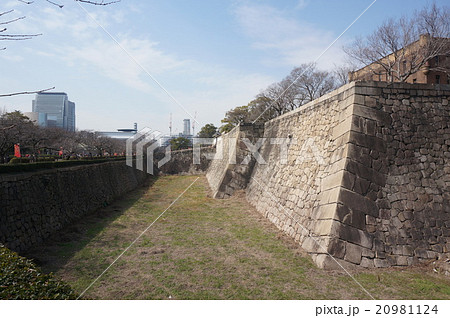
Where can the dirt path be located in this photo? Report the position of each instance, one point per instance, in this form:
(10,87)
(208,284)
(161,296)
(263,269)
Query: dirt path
(203,248)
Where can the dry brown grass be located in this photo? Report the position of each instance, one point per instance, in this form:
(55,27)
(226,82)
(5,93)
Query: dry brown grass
(204,248)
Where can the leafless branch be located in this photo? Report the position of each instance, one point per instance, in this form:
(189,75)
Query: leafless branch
(13,37)
(13,20)
(27,93)
(6,12)
(56,4)
(99,3)
(399,48)
(9,127)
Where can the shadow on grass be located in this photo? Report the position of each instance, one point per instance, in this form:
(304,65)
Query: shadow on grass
(60,247)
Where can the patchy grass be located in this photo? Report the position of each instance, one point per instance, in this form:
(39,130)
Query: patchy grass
(203,248)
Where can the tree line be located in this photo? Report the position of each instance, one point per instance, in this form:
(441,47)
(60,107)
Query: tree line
(303,84)
(36,141)
(398,39)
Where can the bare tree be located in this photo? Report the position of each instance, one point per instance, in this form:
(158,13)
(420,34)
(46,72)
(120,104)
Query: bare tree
(13,130)
(310,83)
(304,84)
(6,19)
(260,110)
(281,96)
(340,73)
(4,35)
(399,48)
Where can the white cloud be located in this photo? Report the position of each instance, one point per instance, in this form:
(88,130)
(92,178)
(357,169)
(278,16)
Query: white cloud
(293,41)
(301,4)
(125,63)
(73,38)
(12,58)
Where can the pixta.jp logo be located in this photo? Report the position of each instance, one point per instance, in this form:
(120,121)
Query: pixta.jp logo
(143,144)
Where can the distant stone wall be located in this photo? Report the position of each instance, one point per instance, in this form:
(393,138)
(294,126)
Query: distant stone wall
(182,162)
(366,180)
(233,163)
(36,204)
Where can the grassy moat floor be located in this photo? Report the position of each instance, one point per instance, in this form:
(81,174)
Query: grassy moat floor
(203,248)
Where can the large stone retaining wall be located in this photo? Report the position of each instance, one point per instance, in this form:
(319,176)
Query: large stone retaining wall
(36,204)
(366,179)
(402,132)
(300,194)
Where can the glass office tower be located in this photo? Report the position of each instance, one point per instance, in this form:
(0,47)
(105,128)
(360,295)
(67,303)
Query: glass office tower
(186,127)
(60,111)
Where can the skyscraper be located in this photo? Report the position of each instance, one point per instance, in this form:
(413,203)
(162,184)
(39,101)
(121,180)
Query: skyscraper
(60,111)
(187,127)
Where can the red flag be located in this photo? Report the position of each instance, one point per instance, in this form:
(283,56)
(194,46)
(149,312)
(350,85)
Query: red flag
(60,152)
(17,151)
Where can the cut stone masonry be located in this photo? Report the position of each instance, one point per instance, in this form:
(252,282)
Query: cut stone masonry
(372,187)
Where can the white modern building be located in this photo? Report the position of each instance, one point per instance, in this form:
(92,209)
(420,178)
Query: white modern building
(120,133)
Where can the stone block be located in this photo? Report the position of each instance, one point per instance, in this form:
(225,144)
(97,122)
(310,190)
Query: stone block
(371,113)
(367,141)
(336,248)
(312,245)
(325,261)
(361,186)
(357,202)
(367,262)
(323,212)
(329,196)
(332,181)
(380,263)
(365,172)
(353,253)
(355,236)
(342,128)
(368,90)
(326,227)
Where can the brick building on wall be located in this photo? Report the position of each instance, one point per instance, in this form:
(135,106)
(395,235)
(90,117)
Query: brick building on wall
(435,71)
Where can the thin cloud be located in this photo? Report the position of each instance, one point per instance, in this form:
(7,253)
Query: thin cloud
(292,41)
(109,59)
(301,4)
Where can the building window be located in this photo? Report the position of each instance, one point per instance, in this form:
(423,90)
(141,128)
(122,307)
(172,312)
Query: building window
(436,60)
(414,80)
(438,79)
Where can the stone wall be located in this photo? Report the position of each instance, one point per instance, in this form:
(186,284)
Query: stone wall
(365,178)
(402,132)
(299,192)
(182,162)
(233,163)
(36,204)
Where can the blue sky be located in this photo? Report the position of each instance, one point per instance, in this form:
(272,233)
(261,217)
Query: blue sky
(209,55)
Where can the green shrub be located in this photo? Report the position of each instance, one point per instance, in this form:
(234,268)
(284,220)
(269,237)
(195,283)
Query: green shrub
(34,166)
(45,159)
(16,160)
(21,279)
